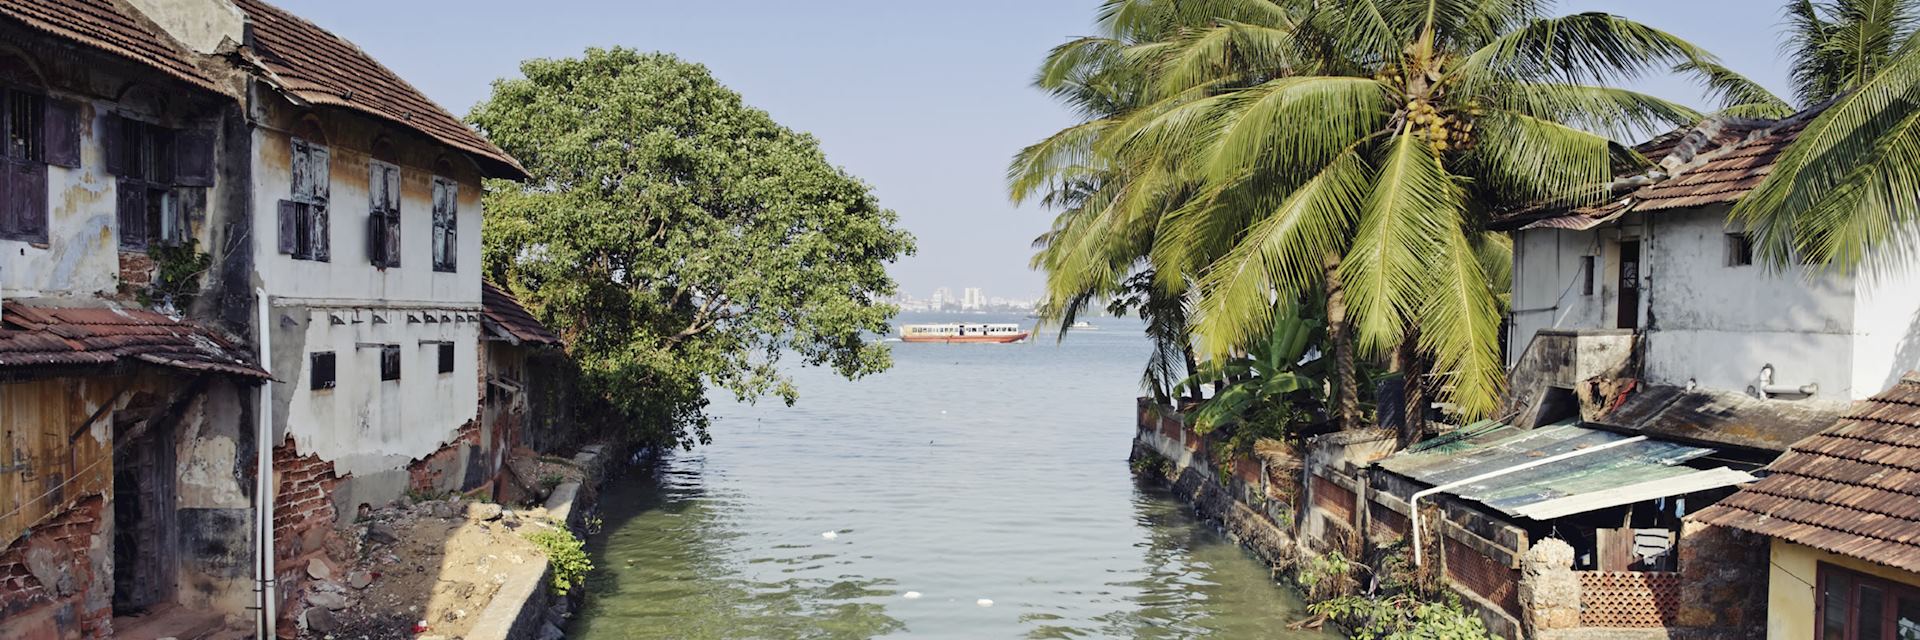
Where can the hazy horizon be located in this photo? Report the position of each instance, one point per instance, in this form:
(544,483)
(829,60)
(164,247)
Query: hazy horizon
(924,101)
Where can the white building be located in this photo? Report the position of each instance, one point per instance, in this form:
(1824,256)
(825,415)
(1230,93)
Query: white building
(972,299)
(942,298)
(1663,265)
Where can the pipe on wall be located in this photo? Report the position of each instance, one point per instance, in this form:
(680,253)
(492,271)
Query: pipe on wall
(263,491)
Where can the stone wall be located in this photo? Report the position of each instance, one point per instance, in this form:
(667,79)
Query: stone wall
(54,582)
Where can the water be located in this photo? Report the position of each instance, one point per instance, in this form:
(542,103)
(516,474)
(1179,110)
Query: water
(967,472)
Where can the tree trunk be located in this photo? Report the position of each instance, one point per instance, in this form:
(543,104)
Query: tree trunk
(1414,425)
(1346,386)
(1193,365)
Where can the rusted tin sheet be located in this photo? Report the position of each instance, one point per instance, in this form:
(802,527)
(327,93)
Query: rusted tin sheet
(34,333)
(1853,489)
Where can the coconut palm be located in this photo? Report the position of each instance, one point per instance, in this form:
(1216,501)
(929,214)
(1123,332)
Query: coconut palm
(1832,46)
(1842,193)
(1379,132)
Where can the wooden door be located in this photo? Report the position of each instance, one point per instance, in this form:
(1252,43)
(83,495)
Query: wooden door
(1629,310)
(144,518)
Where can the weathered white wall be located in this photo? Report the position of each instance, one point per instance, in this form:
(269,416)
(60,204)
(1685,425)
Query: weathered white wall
(1719,324)
(82,256)
(370,429)
(1714,324)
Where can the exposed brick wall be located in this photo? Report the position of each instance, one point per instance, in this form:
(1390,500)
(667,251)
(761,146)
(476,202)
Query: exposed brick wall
(1496,582)
(1387,524)
(54,604)
(136,269)
(303,521)
(1337,501)
(426,474)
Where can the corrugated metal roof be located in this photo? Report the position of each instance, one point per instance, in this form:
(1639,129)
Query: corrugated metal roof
(1716,417)
(1624,472)
(43,334)
(1853,489)
(505,318)
(319,67)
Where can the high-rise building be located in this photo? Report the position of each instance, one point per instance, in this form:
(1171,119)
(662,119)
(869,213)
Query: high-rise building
(942,297)
(973,300)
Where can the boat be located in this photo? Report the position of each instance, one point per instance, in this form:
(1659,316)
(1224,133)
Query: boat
(1083,326)
(963,332)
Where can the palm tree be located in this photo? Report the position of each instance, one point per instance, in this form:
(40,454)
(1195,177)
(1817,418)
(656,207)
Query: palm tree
(1379,132)
(1833,46)
(1842,193)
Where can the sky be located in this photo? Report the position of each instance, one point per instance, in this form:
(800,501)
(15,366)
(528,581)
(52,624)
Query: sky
(924,100)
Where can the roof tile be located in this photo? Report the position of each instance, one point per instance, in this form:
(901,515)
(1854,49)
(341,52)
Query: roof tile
(36,334)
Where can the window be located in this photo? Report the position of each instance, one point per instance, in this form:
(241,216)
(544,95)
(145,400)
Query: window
(304,232)
(383,219)
(34,133)
(390,362)
(1586,275)
(322,369)
(446,196)
(1855,606)
(1739,250)
(446,357)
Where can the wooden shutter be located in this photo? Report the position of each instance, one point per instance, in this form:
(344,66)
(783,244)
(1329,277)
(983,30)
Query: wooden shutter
(321,232)
(113,143)
(27,201)
(131,212)
(377,238)
(317,174)
(60,130)
(393,216)
(289,227)
(193,157)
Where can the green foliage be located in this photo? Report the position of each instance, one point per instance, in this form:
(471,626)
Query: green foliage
(566,554)
(1269,389)
(678,238)
(177,281)
(1325,576)
(1150,464)
(1192,162)
(1403,617)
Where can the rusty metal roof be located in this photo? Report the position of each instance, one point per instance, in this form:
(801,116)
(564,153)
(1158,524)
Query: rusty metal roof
(315,66)
(106,25)
(39,333)
(1620,470)
(1714,417)
(507,320)
(1853,489)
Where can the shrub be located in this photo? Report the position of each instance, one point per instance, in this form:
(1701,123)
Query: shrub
(566,554)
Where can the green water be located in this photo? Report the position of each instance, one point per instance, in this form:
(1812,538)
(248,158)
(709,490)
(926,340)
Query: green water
(968,472)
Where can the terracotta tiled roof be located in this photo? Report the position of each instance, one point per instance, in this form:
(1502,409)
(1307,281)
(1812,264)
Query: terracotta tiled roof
(318,67)
(36,334)
(506,319)
(1732,172)
(1853,489)
(104,25)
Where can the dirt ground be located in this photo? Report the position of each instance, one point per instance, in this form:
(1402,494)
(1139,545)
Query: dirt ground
(423,571)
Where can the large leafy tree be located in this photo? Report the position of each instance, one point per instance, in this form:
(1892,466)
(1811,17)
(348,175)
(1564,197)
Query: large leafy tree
(1274,138)
(678,237)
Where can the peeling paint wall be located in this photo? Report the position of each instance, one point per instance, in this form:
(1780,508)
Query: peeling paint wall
(370,429)
(1715,323)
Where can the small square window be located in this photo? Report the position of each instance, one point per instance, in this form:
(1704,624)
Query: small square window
(1739,250)
(390,362)
(1586,275)
(446,357)
(322,370)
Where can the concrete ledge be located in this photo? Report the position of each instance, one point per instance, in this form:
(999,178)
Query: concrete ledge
(515,611)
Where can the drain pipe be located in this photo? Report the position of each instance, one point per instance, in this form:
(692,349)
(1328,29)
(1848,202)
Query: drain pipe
(1413,504)
(264,582)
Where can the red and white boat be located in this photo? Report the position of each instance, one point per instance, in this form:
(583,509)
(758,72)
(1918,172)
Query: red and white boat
(962,332)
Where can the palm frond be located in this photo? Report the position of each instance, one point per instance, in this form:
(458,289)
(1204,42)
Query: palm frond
(1460,328)
(1411,202)
(1734,93)
(1524,159)
(1610,111)
(1584,48)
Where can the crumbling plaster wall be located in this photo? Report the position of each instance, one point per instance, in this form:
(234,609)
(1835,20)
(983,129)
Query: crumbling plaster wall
(370,430)
(1547,283)
(81,257)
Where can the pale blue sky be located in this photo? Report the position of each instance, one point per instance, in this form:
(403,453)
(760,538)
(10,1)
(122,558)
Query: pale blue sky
(924,100)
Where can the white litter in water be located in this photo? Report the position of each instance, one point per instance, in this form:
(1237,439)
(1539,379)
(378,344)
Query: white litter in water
(911,595)
(984,602)
(830,535)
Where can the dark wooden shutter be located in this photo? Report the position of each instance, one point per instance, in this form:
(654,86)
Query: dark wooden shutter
(318,173)
(113,143)
(132,214)
(376,238)
(193,157)
(393,216)
(289,227)
(61,131)
(321,232)
(28,200)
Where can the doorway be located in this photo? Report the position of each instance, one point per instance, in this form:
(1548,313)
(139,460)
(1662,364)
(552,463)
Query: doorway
(145,525)
(1629,310)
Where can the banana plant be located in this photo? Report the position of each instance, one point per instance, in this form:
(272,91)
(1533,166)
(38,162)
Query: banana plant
(1283,371)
